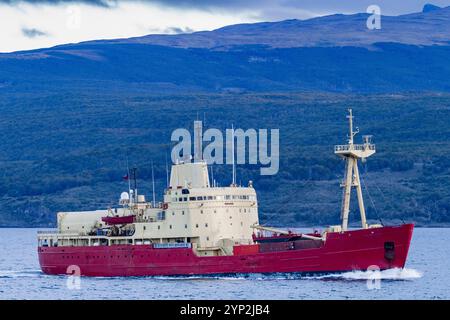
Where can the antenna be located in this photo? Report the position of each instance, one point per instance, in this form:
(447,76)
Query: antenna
(153,187)
(128,175)
(135,184)
(232,148)
(350,122)
(198,132)
(167,173)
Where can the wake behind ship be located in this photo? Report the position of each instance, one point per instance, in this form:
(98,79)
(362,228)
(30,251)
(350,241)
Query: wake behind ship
(203,229)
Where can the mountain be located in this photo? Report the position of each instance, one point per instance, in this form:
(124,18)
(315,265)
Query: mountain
(430,7)
(429,27)
(332,53)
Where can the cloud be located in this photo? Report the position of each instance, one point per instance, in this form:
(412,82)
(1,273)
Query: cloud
(264,9)
(33,33)
(69,22)
(100,3)
(178,30)
(169,30)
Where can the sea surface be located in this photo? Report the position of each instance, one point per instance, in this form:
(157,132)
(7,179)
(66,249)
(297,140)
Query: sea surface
(426,276)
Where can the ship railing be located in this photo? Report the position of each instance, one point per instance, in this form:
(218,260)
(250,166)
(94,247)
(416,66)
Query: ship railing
(58,235)
(348,147)
(48,232)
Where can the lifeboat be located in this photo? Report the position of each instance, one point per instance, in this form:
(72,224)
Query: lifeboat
(118,220)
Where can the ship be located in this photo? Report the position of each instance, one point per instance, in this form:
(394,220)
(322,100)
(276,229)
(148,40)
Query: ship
(201,228)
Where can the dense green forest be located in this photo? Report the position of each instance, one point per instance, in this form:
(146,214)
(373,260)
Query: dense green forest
(67,150)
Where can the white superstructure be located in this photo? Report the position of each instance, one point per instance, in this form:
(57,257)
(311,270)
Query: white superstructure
(193,213)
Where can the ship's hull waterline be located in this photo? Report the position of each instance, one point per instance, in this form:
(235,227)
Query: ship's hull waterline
(383,248)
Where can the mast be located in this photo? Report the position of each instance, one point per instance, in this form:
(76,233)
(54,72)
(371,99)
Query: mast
(153,187)
(351,153)
(128,177)
(198,137)
(233,184)
(135,185)
(167,174)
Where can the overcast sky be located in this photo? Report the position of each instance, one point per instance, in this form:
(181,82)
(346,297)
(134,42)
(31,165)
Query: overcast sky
(31,24)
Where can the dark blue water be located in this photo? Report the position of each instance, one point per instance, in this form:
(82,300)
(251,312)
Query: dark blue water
(426,276)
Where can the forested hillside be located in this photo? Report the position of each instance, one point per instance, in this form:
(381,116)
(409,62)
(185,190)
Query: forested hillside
(67,151)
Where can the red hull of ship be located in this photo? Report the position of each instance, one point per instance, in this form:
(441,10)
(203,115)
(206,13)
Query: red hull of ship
(350,250)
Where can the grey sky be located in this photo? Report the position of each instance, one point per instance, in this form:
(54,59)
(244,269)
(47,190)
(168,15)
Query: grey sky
(391,7)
